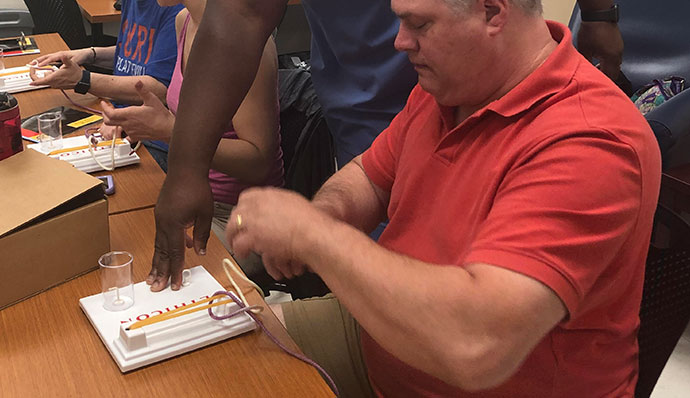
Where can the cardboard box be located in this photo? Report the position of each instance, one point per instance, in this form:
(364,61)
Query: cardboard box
(53,224)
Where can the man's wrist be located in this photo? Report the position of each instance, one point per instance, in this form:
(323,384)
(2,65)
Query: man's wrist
(314,235)
(594,5)
(610,14)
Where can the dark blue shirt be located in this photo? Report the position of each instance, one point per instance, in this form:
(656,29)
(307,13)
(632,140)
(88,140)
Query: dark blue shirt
(361,80)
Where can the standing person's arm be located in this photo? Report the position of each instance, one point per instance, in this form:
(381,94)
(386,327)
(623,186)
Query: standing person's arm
(220,69)
(601,40)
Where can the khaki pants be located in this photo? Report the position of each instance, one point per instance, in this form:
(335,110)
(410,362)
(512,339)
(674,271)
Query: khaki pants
(322,328)
(328,334)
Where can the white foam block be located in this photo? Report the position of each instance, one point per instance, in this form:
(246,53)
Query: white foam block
(133,349)
(18,79)
(82,158)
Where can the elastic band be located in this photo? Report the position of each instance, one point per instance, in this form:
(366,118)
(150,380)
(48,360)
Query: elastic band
(245,309)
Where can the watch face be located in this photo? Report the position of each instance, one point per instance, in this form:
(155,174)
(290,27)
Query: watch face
(84,84)
(81,88)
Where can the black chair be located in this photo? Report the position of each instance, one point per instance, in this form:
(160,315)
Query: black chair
(308,155)
(655,36)
(14,22)
(665,309)
(63,17)
(306,141)
(308,159)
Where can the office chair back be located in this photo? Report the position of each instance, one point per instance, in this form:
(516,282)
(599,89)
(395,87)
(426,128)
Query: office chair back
(14,22)
(665,308)
(655,35)
(61,16)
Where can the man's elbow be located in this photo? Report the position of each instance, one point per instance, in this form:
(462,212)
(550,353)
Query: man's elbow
(479,368)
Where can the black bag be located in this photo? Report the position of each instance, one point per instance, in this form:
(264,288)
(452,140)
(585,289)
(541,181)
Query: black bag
(307,144)
(309,160)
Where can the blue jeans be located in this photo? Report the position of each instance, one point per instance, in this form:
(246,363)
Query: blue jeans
(159,155)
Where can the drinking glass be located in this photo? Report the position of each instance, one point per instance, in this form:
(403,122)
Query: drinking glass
(50,131)
(116,280)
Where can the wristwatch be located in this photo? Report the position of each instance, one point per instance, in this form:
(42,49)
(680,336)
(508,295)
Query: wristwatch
(610,15)
(84,84)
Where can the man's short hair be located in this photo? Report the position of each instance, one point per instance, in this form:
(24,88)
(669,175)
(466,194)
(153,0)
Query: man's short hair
(528,6)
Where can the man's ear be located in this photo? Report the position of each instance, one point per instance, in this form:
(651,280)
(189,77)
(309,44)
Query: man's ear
(496,12)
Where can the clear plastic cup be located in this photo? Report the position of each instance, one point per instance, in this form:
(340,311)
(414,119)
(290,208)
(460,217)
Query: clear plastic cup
(50,131)
(116,280)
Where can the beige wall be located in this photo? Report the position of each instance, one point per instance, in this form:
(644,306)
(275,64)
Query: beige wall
(558,10)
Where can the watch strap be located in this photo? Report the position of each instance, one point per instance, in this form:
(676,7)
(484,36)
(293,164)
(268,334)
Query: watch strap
(84,84)
(610,15)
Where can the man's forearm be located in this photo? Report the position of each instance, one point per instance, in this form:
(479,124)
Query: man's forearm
(470,329)
(220,70)
(351,197)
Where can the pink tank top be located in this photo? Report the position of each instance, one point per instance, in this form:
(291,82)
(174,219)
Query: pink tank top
(225,189)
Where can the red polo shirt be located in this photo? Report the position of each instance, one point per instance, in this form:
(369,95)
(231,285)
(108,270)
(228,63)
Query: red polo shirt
(557,180)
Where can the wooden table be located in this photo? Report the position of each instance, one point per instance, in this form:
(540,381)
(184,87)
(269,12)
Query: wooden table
(48,347)
(98,12)
(136,186)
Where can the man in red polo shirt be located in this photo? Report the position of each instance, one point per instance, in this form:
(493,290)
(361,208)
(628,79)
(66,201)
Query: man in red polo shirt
(520,185)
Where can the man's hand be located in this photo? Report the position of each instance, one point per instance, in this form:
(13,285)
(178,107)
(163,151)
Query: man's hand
(149,121)
(603,41)
(183,202)
(64,78)
(272,222)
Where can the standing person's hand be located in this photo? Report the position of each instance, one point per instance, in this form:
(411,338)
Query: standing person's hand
(66,77)
(185,201)
(603,41)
